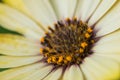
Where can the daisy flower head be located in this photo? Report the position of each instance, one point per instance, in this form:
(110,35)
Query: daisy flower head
(60,40)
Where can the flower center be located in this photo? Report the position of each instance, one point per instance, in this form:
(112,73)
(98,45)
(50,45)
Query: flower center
(69,43)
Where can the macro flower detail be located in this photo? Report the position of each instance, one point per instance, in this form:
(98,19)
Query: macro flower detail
(60,40)
(68,44)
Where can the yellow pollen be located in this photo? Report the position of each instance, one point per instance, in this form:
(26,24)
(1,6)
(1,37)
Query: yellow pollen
(54,59)
(47,48)
(68,58)
(60,59)
(41,50)
(49,60)
(87,35)
(75,18)
(89,30)
(83,44)
(68,43)
(67,19)
(42,40)
(81,50)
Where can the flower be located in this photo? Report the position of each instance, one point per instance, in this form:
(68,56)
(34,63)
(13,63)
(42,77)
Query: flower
(61,40)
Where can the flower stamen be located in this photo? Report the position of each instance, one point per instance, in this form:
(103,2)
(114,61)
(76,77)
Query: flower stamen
(69,43)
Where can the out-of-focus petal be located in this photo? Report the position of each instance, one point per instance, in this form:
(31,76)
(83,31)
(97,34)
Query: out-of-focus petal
(16,45)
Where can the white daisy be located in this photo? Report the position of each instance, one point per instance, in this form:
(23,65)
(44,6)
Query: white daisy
(61,40)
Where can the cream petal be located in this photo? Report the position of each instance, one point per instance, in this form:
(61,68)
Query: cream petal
(87,73)
(54,75)
(20,72)
(39,10)
(104,6)
(108,44)
(112,56)
(39,74)
(73,73)
(18,5)
(16,45)
(11,61)
(16,21)
(102,68)
(85,9)
(108,47)
(14,26)
(64,8)
(110,22)
(19,17)
(42,12)
(79,8)
(110,37)
(21,76)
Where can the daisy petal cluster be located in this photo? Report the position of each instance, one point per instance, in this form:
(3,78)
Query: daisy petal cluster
(60,40)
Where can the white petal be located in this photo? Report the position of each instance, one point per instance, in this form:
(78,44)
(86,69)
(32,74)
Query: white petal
(101,67)
(54,75)
(21,72)
(10,61)
(108,47)
(104,6)
(79,8)
(108,44)
(112,56)
(16,21)
(110,37)
(111,46)
(21,76)
(86,8)
(87,73)
(18,5)
(19,17)
(73,73)
(64,8)
(17,45)
(39,74)
(110,22)
(41,11)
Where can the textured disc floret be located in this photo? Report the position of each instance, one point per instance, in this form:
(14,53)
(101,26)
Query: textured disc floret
(68,43)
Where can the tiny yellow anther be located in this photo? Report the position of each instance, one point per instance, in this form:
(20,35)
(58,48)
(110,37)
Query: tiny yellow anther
(67,19)
(42,40)
(47,48)
(54,59)
(87,35)
(83,44)
(60,59)
(41,50)
(75,18)
(49,60)
(81,50)
(89,30)
(68,58)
